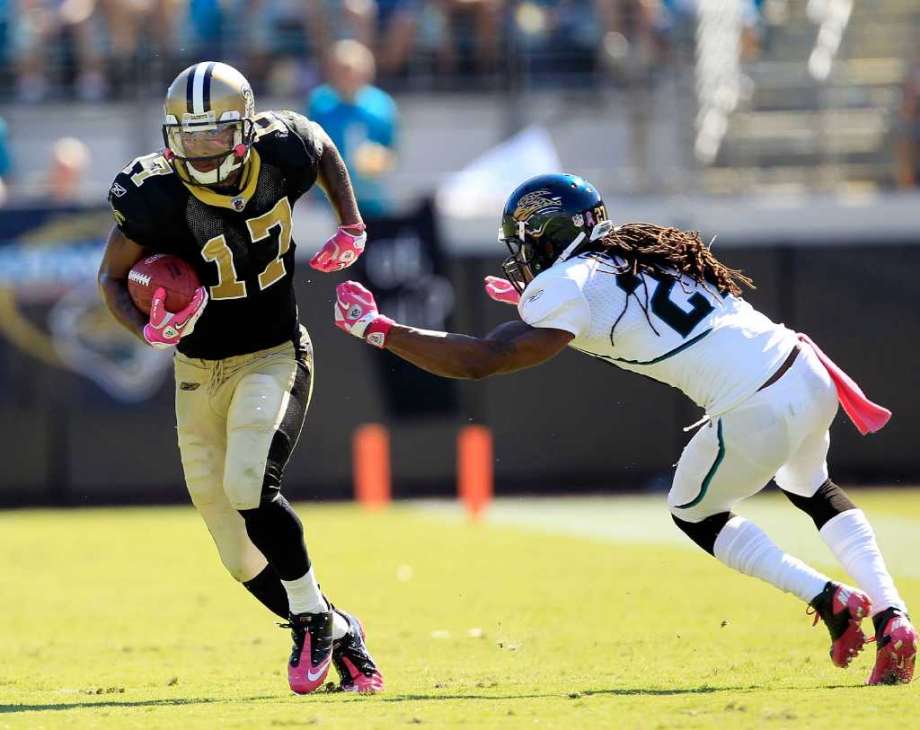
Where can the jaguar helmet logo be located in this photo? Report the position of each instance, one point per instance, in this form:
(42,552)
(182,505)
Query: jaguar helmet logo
(531,204)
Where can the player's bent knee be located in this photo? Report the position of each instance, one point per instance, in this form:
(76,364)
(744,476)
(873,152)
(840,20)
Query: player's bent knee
(250,489)
(826,503)
(705,532)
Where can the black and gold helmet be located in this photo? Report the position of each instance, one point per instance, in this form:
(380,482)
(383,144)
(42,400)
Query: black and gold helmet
(208,127)
(546,219)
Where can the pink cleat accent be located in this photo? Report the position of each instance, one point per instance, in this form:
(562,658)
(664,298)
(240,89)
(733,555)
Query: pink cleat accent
(355,666)
(842,608)
(897,643)
(311,655)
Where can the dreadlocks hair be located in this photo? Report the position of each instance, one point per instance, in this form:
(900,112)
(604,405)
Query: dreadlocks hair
(657,250)
(647,248)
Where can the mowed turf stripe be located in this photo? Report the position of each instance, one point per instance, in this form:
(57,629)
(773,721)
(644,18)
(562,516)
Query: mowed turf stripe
(644,520)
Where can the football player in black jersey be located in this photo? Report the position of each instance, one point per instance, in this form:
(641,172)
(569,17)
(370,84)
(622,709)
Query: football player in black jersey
(220,196)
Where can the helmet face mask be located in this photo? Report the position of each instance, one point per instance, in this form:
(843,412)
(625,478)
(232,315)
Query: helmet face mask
(210,152)
(516,267)
(546,219)
(208,129)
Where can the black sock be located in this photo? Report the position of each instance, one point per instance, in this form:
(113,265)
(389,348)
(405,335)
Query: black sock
(267,589)
(827,502)
(276,530)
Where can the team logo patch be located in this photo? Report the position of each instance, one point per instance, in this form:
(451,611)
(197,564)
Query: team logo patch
(539,201)
(118,190)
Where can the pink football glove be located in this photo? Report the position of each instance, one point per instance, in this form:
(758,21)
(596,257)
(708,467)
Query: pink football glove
(165,329)
(342,250)
(502,290)
(356,313)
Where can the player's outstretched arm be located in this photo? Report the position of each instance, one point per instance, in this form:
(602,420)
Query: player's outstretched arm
(121,253)
(510,347)
(344,248)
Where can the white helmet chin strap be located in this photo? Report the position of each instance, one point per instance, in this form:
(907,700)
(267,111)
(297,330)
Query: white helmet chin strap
(599,231)
(230,163)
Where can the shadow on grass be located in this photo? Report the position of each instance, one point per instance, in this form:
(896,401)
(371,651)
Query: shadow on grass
(575,694)
(337,696)
(8,709)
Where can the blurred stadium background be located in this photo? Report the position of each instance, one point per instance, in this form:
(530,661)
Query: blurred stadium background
(789,129)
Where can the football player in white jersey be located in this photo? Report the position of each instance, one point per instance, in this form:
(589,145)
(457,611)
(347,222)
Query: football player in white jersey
(656,301)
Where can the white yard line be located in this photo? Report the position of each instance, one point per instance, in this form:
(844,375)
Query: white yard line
(645,520)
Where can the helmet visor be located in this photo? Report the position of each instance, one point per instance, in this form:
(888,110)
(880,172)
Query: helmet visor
(204,146)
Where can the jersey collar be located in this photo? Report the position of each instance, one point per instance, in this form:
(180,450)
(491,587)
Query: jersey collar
(232,202)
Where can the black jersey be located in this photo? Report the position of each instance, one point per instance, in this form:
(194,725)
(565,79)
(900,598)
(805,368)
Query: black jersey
(240,245)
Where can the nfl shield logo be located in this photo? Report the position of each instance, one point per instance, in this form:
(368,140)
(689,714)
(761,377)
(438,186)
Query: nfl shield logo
(238,204)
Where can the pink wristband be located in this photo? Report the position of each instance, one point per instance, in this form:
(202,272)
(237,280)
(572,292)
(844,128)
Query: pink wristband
(377,331)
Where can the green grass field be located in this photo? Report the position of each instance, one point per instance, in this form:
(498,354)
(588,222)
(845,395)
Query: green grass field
(563,613)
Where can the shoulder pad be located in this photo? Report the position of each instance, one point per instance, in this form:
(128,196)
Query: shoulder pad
(143,194)
(554,300)
(292,128)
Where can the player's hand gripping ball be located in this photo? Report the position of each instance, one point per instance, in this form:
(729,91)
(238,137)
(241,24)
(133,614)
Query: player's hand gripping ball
(166,328)
(162,271)
(356,313)
(342,250)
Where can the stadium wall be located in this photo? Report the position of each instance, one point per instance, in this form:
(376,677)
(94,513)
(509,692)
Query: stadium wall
(573,425)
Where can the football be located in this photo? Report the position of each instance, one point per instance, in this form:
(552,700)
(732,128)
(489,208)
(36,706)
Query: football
(175,275)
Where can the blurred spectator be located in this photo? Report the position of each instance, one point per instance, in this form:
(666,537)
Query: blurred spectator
(281,36)
(908,144)
(130,25)
(49,37)
(470,35)
(46,31)
(572,36)
(202,35)
(67,171)
(629,31)
(397,22)
(5,162)
(360,119)
(6,24)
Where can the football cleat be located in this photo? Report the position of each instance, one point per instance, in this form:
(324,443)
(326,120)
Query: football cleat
(842,608)
(896,640)
(311,654)
(356,667)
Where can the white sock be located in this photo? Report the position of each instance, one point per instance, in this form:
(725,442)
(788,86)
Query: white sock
(850,537)
(304,595)
(742,545)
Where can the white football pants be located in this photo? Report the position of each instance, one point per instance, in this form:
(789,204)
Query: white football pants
(779,432)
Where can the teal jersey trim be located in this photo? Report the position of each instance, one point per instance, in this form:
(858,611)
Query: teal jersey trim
(673,352)
(710,474)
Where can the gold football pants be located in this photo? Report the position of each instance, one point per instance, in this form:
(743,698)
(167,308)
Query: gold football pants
(238,421)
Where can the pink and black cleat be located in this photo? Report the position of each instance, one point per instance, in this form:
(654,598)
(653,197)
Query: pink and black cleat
(897,641)
(353,662)
(312,651)
(842,608)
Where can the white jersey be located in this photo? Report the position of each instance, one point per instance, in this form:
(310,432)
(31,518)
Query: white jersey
(718,350)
